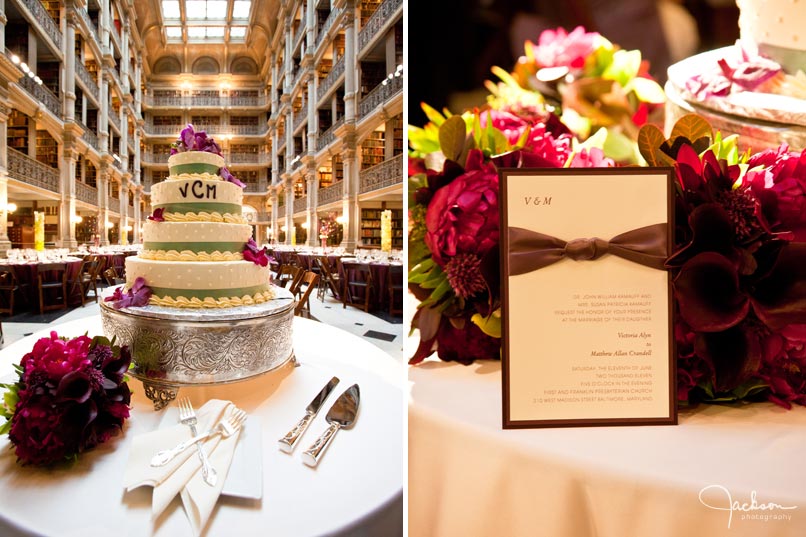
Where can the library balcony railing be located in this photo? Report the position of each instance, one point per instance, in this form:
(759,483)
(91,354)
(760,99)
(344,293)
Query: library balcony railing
(299,35)
(155,158)
(86,193)
(297,78)
(209,129)
(260,216)
(299,119)
(89,136)
(247,100)
(175,101)
(114,119)
(43,95)
(253,187)
(23,168)
(93,29)
(160,130)
(114,205)
(330,194)
(331,19)
(377,21)
(248,130)
(88,82)
(385,174)
(301,204)
(380,94)
(329,136)
(246,158)
(45,21)
(330,80)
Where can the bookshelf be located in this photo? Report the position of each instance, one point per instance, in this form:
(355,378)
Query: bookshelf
(47,151)
(372,74)
(49,73)
(53,7)
(243,121)
(249,149)
(158,176)
(92,69)
(324,67)
(167,94)
(90,177)
(325,177)
(338,168)
(338,46)
(167,121)
(368,7)
(202,122)
(370,231)
(17,136)
(397,136)
(373,150)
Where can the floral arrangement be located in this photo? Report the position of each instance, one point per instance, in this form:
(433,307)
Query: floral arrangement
(227,176)
(739,261)
(157,215)
(190,140)
(258,256)
(327,226)
(71,395)
(590,82)
(137,295)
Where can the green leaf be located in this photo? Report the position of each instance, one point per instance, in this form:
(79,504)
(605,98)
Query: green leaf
(452,134)
(490,325)
(650,138)
(441,290)
(505,77)
(624,67)
(620,147)
(432,114)
(691,127)
(646,89)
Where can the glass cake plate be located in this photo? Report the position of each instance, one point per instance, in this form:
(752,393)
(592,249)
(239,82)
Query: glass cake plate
(172,347)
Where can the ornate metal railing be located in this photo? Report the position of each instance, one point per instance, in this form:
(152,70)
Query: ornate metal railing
(31,171)
(259,100)
(43,17)
(300,204)
(114,205)
(86,193)
(331,19)
(209,129)
(380,94)
(90,84)
(163,100)
(253,187)
(330,194)
(114,119)
(89,136)
(206,100)
(248,129)
(246,158)
(330,79)
(93,30)
(299,118)
(329,136)
(163,129)
(387,173)
(377,21)
(43,95)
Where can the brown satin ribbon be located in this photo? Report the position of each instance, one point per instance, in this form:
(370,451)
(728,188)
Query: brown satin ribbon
(529,250)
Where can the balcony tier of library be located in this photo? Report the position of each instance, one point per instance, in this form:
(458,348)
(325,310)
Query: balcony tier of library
(205,98)
(370,232)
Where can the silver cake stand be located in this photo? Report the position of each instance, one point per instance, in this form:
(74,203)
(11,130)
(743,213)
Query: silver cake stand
(172,348)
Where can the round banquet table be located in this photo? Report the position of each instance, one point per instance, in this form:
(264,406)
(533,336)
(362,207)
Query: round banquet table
(355,490)
(26,274)
(469,477)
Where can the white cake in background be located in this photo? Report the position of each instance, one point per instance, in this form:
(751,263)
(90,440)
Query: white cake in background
(775,28)
(193,258)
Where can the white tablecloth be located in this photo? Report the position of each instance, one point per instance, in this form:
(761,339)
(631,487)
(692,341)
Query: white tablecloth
(469,477)
(355,490)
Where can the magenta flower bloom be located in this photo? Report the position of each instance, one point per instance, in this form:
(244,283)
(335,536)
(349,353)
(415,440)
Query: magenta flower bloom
(138,295)
(258,256)
(156,216)
(463,216)
(227,176)
(782,174)
(189,140)
(595,158)
(558,48)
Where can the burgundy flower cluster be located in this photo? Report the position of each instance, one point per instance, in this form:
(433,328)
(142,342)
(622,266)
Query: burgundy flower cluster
(190,140)
(258,256)
(71,396)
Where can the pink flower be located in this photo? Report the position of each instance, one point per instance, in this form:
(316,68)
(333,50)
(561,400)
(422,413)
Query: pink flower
(557,48)
(783,173)
(258,256)
(462,217)
(156,216)
(138,295)
(594,158)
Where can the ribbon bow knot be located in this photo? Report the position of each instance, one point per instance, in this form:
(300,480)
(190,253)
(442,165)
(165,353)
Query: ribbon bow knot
(529,250)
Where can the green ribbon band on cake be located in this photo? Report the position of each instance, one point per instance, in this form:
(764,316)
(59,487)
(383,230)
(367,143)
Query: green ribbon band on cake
(223,208)
(194,167)
(195,247)
(201,294)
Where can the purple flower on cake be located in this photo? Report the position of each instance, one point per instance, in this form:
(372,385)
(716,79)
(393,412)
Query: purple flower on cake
(227,176)
(137,295)
(156,216)
(258,256)
(71,395)
(189,140)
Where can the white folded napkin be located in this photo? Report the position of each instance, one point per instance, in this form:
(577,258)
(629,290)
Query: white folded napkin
(182,475)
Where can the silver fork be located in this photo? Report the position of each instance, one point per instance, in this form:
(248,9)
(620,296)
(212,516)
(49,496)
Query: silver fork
(187,416)
(226,428)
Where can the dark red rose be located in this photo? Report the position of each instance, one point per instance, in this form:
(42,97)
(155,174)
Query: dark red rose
(464,345)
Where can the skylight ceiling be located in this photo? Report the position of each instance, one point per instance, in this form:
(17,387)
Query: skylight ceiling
(206,21)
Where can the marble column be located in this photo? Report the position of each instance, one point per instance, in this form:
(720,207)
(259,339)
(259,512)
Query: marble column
(289,209)
(69,107)
(103,203)
(350,66)
(124,213)
(275,219)
(350,210)
(312,183)
(5,243)
(67,205)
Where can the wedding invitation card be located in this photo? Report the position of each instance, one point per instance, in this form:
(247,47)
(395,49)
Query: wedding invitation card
(586,300)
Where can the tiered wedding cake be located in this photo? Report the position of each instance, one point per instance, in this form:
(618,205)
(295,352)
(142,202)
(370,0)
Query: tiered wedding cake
(775,28)
(193,245)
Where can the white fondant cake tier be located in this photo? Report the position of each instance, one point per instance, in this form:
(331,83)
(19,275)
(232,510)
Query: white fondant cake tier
(195,236)
(201,284)
(195,162)
(775,28)
(194,195)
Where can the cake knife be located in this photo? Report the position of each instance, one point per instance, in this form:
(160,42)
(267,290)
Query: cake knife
(340,416)
(288,442)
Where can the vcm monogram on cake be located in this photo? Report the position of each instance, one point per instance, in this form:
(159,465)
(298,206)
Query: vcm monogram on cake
(723,501)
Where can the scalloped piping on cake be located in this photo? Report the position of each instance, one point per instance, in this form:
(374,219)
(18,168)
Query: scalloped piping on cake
(209,302)
(187,255)
(193,176)
(203,216)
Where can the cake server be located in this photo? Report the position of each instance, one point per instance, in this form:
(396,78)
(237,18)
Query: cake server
(288,442)
(340,416)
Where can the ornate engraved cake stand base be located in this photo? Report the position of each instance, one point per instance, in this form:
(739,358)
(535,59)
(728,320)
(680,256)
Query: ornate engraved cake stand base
(172,348)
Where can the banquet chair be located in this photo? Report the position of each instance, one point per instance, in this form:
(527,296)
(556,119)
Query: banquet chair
(111,277)
(296,283)
(395,286)
(303,307)
(8,288)
(357,285)
(86,279)
(288,274)
(327,280)
(52,281)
